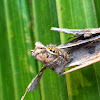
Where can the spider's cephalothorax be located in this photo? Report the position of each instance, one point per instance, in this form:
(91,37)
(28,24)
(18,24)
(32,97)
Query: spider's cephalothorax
(50,56)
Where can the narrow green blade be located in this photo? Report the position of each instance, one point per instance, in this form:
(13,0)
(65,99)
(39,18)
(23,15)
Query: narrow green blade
(84,83)
(24,22)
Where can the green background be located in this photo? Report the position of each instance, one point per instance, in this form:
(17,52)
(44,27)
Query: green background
(24,22)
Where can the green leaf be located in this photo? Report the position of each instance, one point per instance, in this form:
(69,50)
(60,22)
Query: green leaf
(24,22)
(84,83)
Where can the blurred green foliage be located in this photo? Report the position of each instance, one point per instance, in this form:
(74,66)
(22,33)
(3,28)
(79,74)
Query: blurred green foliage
(22,23)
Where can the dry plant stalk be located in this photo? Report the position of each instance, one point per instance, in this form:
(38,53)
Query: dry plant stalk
(80,52)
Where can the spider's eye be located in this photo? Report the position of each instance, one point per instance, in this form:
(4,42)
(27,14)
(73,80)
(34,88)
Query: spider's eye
(50,49)
(53,51)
